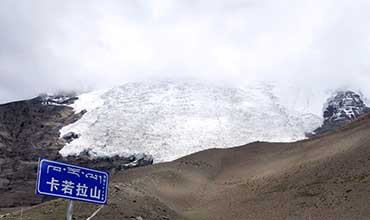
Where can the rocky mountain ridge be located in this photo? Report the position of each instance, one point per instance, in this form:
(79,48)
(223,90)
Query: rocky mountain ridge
(340,109)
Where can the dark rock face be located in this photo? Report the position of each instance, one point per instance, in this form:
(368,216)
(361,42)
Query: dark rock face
(57,99)
(345,106)
(29,130)
(341,109)
(111,164)
(70,136)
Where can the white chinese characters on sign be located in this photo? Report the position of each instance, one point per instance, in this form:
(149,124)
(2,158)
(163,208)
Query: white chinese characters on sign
(67,187)
(53,184)
(81,190)
(95,193)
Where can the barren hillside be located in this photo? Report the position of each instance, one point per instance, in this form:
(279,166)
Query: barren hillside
(323,178)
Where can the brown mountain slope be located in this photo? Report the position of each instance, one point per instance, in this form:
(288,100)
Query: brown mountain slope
(323,178)
(29,130)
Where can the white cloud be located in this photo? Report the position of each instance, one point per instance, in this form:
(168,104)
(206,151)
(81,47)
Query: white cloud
(53,45)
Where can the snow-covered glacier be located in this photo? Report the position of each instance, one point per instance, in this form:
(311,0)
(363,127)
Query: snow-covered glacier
(168,120)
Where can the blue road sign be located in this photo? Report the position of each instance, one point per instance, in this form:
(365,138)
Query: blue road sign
(72,182)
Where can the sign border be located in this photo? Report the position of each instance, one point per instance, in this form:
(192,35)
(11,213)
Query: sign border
(39,192)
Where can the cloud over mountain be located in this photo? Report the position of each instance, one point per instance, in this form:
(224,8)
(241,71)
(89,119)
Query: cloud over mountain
(70,45)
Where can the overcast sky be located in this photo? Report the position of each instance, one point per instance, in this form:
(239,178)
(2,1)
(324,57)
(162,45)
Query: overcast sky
(47,46)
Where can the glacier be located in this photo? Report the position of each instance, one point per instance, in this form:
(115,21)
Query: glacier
(168,120)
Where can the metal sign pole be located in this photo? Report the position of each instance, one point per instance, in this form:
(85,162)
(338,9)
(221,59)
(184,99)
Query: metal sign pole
(70,210)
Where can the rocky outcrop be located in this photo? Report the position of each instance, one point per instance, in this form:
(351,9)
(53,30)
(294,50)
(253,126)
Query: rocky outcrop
(341,109)
(29,130)
(62,99)
(70,136)
(111,164)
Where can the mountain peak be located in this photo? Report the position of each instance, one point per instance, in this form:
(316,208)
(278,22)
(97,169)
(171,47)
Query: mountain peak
(344,106)
(340,109)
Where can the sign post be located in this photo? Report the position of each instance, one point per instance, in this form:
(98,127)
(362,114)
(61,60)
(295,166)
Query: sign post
(72,182)
(70,210)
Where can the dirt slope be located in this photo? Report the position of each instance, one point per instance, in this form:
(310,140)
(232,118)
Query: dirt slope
(324,178)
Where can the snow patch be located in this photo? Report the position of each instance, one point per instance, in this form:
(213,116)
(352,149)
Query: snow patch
(89,101)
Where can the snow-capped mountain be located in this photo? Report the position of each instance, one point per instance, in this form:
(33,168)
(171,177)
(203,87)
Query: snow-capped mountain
(171,119)
(342,108)
(61,100)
